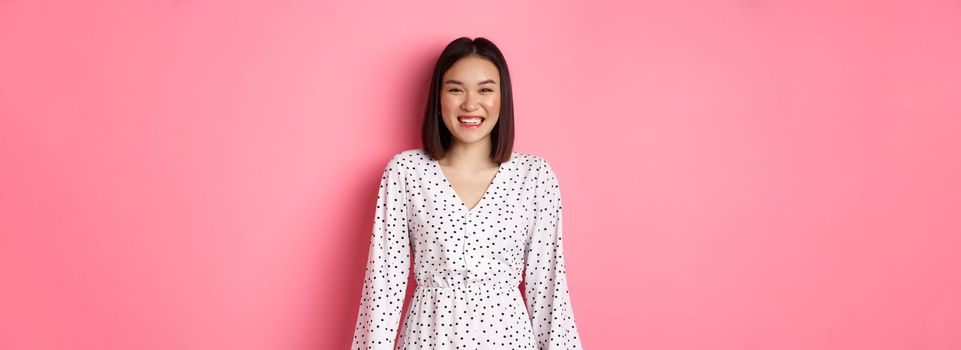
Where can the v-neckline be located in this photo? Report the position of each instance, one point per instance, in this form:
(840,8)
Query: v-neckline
(487,191)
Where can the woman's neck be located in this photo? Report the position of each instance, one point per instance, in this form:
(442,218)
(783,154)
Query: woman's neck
(469,156)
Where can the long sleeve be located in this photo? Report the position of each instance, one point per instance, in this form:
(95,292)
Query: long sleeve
(388,264)
(545,278)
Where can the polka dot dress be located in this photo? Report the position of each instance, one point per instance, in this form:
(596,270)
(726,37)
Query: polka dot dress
(468,262)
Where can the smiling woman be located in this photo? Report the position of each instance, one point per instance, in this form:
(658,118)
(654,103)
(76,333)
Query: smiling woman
(470,80)
(472,110)
(485,107)
(478,216)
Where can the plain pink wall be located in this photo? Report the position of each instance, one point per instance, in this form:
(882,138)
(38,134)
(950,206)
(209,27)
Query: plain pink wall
(737,174)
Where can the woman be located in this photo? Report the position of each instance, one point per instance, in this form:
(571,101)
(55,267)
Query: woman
(478,218)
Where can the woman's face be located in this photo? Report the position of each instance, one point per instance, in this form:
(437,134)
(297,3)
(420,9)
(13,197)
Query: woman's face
(470,88)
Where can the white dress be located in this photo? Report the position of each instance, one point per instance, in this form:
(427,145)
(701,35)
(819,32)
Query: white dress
(468,263)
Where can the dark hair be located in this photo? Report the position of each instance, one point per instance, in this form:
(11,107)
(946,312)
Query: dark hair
(435,136)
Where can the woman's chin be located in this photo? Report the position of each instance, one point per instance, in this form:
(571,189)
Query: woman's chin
(471,137)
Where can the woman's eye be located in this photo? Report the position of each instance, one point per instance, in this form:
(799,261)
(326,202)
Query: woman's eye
(453,90)
(487,90)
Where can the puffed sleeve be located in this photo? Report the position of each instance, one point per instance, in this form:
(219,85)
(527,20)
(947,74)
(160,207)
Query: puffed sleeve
(388,264)
(545,279)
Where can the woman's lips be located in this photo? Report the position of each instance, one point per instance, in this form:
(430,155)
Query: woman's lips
(476,119)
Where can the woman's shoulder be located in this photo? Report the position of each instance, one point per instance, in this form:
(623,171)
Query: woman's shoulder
(407,155)
(404,159)
(530,161)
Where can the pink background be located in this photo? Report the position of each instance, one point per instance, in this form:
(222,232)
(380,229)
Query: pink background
(737,174)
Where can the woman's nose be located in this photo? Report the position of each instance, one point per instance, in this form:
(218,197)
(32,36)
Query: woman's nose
(469,104)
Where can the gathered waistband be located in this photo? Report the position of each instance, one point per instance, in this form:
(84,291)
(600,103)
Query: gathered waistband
(474,284)
(467,279)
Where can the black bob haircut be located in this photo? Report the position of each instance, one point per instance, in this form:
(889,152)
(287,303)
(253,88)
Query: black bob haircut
(435,136)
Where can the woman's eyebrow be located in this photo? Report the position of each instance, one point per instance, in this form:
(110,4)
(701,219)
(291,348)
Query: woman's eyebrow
(452,81)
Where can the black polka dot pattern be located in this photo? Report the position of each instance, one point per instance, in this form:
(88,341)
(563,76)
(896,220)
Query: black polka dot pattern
(468,262)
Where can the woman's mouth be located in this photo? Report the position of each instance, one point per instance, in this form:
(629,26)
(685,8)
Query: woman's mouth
(470,121)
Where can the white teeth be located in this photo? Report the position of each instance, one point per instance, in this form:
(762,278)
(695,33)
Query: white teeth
(470,121)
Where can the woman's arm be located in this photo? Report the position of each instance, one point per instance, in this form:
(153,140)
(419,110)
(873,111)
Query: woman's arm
(545,279)
(388,265)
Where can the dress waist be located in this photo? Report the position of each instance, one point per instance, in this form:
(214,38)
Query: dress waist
(467,279)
